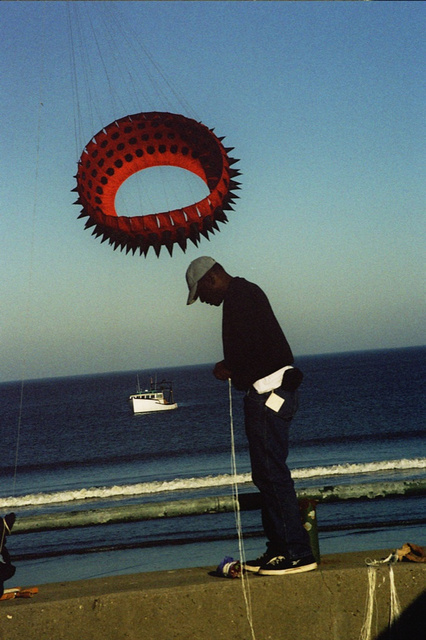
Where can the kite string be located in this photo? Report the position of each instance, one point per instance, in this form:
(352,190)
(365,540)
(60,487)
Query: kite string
(395,607)
(371,599)
(237,513)
(29,296)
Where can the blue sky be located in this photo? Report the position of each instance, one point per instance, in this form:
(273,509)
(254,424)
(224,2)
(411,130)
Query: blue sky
(324,104)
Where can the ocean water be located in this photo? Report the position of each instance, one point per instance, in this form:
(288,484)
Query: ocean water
(72,444)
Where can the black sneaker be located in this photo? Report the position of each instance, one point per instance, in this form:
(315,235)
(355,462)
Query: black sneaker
(254,565)
(279,566)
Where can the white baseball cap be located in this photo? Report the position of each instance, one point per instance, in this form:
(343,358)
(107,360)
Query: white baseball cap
(196,270)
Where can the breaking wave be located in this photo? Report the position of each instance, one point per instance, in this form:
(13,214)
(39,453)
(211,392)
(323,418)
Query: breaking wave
(203,482)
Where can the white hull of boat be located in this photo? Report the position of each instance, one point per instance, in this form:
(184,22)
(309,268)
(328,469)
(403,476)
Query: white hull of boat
(145,405)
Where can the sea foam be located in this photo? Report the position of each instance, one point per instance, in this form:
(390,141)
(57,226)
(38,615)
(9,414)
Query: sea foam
(203,482)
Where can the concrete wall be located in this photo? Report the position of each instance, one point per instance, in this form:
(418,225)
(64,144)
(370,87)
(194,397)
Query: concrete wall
(190,604)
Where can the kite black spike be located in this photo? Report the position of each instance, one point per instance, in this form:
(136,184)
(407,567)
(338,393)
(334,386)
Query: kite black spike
(97,231)
(146,249)
(166,239)
(181,238)
(207,224)
(220,216)
(154,241)
(131,246)
(194,232)
(142,243)
(83,214)
(233,160)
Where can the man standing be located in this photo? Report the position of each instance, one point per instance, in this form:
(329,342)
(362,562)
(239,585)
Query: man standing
(258,360)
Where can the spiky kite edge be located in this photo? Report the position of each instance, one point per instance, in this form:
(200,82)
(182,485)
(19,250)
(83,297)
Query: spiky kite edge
(144,140)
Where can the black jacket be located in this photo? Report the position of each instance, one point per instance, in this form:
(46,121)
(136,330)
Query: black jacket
(254,344)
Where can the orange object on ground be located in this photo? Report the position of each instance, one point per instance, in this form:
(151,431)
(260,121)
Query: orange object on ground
(19,592)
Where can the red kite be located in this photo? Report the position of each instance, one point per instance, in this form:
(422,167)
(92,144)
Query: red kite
(144,140)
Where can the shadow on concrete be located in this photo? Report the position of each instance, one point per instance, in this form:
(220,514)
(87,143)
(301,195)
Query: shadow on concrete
(411,623)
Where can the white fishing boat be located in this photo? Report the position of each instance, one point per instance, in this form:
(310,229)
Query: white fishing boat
(156,398)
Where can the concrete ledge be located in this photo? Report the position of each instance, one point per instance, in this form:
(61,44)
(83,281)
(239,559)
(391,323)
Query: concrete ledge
(190,604)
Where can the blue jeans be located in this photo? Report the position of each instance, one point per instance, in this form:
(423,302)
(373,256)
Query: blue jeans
(267,434)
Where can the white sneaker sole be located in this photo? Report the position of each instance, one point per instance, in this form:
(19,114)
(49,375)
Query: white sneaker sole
(247,567)
(282,572)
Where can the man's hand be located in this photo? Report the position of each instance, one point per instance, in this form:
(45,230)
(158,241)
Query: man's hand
(220,371)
